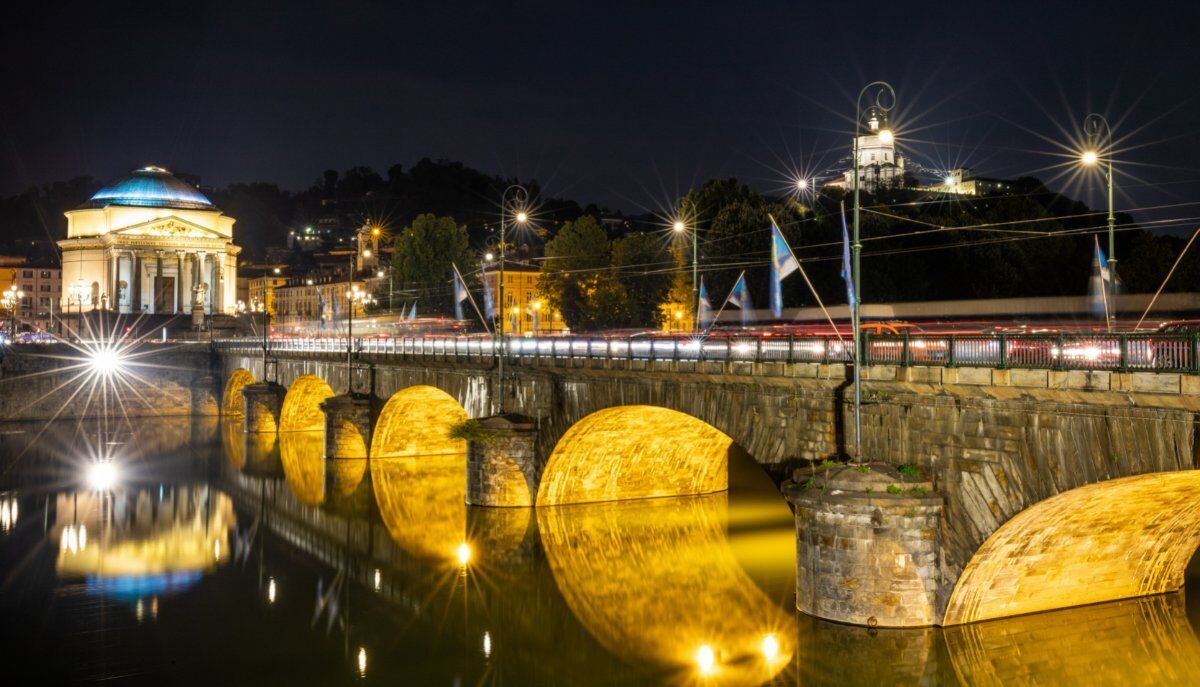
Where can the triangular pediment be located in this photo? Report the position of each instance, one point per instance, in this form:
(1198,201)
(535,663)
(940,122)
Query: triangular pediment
(170,227)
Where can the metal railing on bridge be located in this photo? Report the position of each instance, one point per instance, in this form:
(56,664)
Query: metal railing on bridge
(1123,352)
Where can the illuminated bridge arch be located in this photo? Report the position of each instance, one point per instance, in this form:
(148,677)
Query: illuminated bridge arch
(233,404)
(1116,539)
(302,405)
(416,422)
(634,452)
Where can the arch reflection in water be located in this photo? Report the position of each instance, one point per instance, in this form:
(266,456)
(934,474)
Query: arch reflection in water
(233,442)
(422,501)
(655,581)
(136,543)
(303,458)
(1146,641)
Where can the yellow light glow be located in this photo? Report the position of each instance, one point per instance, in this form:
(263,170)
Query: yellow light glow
(1089,157)
(367,253)
(679,314)
(515,310)
(102,476)
(521,217)
(802,184)
(770,647)
(376,231)
(463,554)
(271,590)
(537,305)
(489,257)
(679,226)
(886,136)
(362,661)
(706,660)
(276,270)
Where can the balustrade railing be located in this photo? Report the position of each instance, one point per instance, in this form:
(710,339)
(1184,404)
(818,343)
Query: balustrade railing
(1124,352)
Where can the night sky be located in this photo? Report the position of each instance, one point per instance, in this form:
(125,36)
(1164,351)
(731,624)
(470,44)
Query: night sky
(623,104)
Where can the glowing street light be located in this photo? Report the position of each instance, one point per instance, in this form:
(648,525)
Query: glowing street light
(105,361)
(679,227)
(489,256)
(514,195)
(102,476)
(1099,133)
(802,184)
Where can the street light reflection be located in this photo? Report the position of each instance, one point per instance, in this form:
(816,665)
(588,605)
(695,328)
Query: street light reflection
(706,660)
(102,476)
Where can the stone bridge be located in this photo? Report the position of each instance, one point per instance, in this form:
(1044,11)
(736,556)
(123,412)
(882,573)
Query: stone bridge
(1020,491)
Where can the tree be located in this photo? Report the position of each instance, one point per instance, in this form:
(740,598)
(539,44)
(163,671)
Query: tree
(640,264)
(423,253)
(574,261)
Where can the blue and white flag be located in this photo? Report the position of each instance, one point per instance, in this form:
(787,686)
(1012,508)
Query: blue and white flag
(847,270)
(1101,283)
(704,314)
(513,320)
(783,263)
(460,293)
(489,305)
(740,297)
(412,314)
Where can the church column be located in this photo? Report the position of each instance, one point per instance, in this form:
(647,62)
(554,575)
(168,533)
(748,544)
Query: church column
(201,259)
(135,284)
(158,273)
(185,285)
(113,277)
(178,282)
(218,301)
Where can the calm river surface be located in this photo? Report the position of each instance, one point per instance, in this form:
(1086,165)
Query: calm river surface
(215,559)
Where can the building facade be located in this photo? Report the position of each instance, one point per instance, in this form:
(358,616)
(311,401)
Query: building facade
(42,285)
(150,243)
(880,164)
(524,311)
(314,302)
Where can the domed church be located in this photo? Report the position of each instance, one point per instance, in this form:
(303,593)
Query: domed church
(149,243)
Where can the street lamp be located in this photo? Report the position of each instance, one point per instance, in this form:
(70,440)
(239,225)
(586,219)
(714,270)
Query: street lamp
(1098,131)
(258,306)
(518,196)
(679,227)
(884,97)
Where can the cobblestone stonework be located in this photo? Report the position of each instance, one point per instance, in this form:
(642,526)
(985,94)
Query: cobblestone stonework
(863,555)
(262,405)
(499,467)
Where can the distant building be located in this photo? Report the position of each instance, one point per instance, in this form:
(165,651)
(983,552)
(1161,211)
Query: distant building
(150,243)
(522,302)
(38,310)
(313,302)
(879,164)
(962,181)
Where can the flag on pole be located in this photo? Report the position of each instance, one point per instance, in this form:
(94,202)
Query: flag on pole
(489,305)
(460,293)
(534,311)
(412,314)
(740,297)
(513,320)
(847,271)
(783,263)
(1101,282)
(704,313)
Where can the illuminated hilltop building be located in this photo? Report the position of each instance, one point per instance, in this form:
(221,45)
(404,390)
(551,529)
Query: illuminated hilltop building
(880,165)
(149,243)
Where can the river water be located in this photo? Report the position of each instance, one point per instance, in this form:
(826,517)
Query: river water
(215,558)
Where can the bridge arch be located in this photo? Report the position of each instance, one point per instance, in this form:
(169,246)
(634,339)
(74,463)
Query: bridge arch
(416,421)
(1117,539)
(634,452)
(233,404)
(302,405)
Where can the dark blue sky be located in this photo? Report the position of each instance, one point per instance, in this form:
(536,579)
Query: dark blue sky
(625,104)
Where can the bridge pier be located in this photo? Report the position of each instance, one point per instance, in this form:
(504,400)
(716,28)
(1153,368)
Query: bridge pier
(868,549)
(264,400)
(501,464)
(347,426)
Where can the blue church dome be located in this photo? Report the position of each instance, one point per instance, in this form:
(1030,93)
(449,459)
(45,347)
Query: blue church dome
(152,187)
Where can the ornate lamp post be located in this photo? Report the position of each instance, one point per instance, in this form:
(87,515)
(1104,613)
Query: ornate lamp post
(884,97)
(1099,152)
(679,227)
(517,196)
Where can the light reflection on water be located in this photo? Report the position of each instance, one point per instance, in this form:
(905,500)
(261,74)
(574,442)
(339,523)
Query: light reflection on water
(692,590)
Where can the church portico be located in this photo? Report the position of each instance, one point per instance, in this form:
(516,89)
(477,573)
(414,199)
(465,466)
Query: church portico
(149,244)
